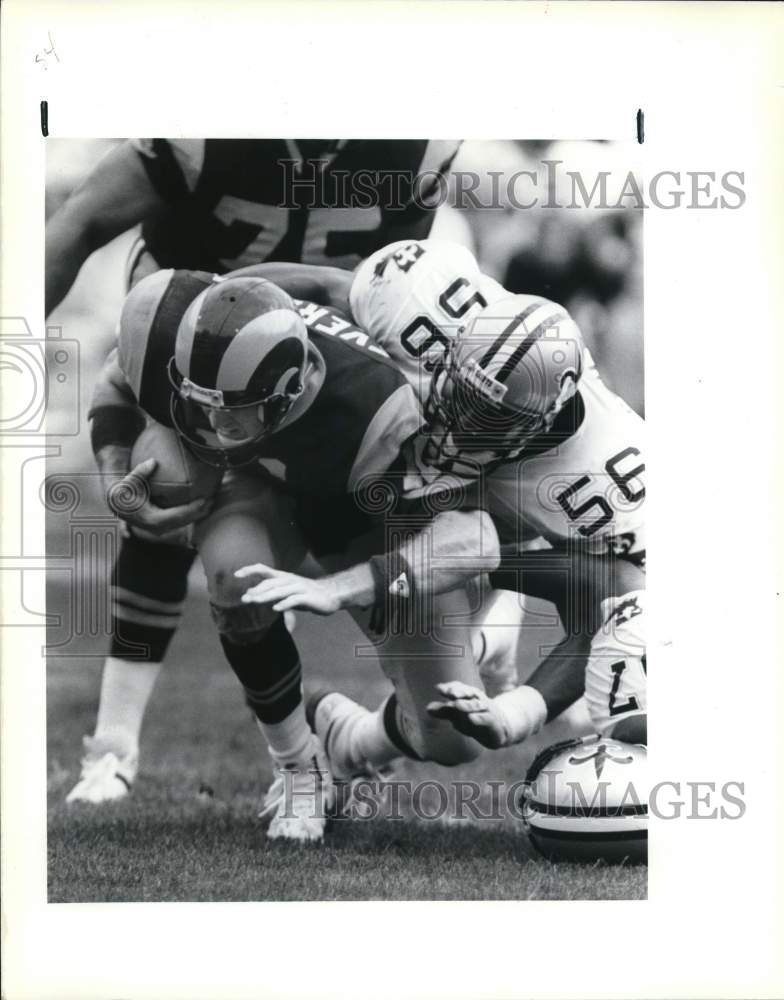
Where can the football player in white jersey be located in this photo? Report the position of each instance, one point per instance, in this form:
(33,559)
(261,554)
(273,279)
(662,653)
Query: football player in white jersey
(412,297)
(602,603)
(571,474)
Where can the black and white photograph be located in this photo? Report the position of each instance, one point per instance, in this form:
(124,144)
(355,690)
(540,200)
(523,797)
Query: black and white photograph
(361,494)
(329,469)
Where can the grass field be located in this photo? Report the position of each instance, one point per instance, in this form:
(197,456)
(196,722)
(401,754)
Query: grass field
(168,841)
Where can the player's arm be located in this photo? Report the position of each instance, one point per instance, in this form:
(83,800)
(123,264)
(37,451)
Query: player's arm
(115,196)
(450,550)
(116,420)
(576,582)
(326,286)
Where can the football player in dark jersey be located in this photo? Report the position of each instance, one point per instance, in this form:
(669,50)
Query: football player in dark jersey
(214,205)
(307,424)
(219,204)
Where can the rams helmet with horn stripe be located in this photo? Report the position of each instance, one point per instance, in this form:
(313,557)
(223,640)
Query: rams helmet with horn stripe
(241,344)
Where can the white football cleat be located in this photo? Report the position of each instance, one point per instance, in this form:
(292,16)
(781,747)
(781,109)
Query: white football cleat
(300,799)
(108,772)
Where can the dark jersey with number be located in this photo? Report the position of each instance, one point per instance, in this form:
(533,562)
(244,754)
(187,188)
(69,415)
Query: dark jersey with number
(236,202)
(354,429)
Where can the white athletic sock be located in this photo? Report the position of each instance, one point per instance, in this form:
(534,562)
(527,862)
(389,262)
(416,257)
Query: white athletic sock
(290,741)
(368,740)
(126,686)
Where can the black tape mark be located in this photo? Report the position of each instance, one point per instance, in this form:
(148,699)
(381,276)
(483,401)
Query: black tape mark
(640,126)
(44,118)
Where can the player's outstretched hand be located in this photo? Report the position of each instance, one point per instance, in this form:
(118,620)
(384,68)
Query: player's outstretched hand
(471,712)
(288,591)
(129,499)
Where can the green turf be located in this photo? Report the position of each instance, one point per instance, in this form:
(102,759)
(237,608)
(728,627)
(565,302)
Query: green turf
(168,842)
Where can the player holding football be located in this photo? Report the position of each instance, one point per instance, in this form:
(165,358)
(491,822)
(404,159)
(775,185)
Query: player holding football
(504,400)
(212,205)
(305,424)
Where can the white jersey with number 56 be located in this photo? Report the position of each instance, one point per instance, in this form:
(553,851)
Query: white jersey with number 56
(588,488)
(413,297)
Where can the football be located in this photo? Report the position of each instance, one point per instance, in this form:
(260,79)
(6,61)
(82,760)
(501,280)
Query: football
(587,800)
(179,477)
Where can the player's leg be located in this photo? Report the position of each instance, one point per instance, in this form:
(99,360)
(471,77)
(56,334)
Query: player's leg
(149,586)
(252,522)
(496,624)
(430,645)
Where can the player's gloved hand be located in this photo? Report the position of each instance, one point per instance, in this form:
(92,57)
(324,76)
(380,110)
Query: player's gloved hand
(472,713)
(287,591)
(129,499)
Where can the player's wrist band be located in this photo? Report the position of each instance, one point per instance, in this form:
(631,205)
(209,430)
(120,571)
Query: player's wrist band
(114,425)
(393,582)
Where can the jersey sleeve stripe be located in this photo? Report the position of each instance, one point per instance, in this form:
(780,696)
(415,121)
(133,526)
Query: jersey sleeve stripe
(396,420)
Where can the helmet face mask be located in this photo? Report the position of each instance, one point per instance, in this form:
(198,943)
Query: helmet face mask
(210,430)
(239,366)
(501,384)
(467,431)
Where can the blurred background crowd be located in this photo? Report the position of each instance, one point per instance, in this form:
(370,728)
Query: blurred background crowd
(587,259)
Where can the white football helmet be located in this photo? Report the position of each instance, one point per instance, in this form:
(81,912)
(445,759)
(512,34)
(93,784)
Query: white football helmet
(503,381)
(587,799)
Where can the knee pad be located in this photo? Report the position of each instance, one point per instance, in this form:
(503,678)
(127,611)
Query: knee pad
(226,590)
(243,624)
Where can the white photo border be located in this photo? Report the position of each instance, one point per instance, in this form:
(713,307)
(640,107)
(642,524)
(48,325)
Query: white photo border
(709,82)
